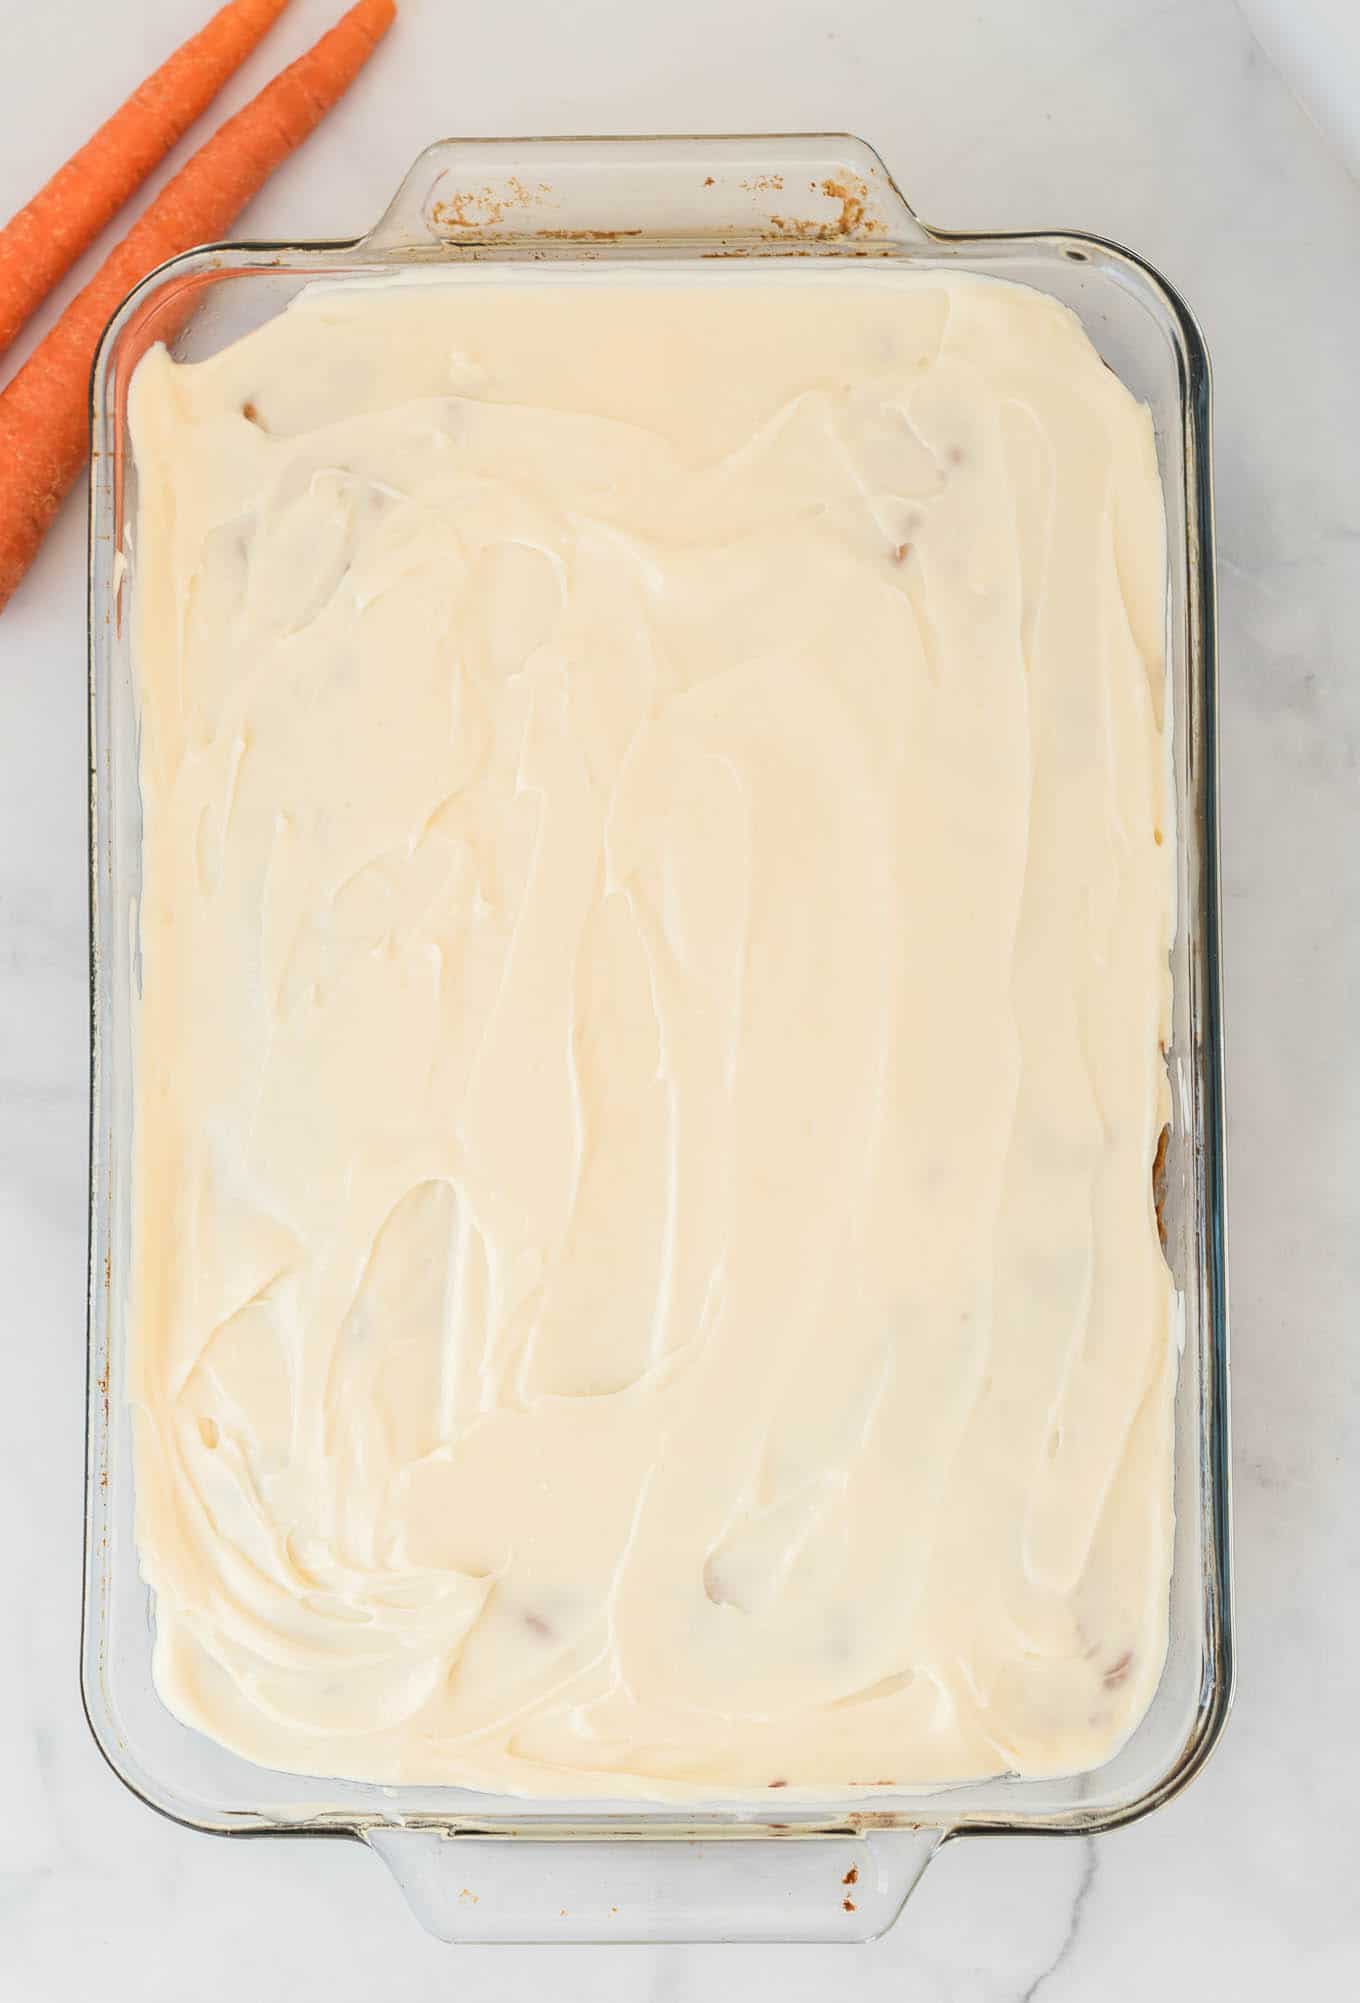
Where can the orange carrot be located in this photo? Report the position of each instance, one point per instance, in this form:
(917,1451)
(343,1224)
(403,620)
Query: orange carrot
(44,240)
(44,427)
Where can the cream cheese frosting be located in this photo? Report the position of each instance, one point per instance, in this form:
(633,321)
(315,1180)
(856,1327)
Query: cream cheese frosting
(657,896)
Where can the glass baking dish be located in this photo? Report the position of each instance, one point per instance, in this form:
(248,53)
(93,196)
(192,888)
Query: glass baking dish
(476,1867)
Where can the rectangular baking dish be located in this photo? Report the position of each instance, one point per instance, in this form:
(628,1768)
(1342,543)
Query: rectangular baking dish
(476,1867)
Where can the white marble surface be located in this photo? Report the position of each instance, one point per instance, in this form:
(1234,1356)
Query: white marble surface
(1163,125)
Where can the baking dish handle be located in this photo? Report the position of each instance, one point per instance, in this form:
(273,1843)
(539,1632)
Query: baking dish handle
(751,191)
(523,1888)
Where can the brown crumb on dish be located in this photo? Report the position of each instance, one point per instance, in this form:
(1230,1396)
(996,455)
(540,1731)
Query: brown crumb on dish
(848,1906)
(452,213)
(250,412)
(587,236)
(901,552)
(851,199)
(1159,1183)
(485,208)
(778,1783)
(708,180)
(852,1876)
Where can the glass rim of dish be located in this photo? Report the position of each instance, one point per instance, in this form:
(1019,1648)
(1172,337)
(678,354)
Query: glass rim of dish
(871,220)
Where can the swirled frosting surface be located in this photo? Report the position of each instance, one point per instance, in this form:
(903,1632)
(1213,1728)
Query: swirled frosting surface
(657,894)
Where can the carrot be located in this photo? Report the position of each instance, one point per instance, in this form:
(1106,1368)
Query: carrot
(44,425)
(47,236)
